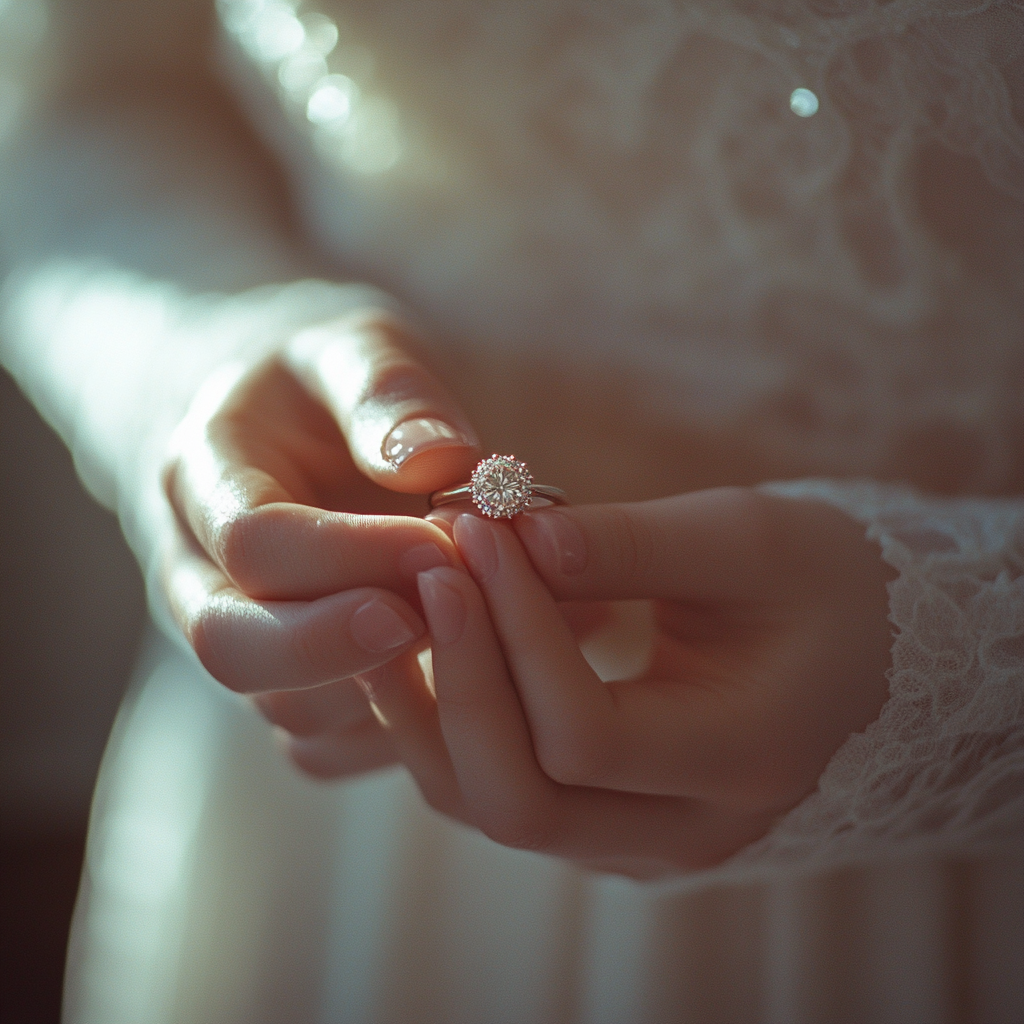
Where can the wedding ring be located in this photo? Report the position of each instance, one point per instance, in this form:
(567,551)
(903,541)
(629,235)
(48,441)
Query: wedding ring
(501,487)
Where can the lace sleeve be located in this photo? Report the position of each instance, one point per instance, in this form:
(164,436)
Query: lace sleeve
(943,766)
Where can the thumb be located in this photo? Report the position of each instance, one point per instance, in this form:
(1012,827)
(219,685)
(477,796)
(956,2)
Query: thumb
(704,546)
(404,430)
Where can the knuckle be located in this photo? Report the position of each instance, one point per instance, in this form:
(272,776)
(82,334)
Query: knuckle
(574,757)
(207,635)
(233,544)
(633,544)
(240,545)
(309,652)
(520,827)
(397,378)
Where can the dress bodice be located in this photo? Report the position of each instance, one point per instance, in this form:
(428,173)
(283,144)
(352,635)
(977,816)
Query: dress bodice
(634,182)
(647,183)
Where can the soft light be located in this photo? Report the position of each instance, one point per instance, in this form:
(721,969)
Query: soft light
(321,33)
(300,73)
(803,103)
(332,100)
(274,33)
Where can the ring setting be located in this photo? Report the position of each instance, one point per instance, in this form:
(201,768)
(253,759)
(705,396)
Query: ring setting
(501,487)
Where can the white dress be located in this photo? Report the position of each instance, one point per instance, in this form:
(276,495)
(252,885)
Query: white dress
(745,214)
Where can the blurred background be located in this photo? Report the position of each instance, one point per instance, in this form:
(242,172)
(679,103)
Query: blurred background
(71,612)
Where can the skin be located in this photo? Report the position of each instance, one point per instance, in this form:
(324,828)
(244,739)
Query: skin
(303,575)
(291,532)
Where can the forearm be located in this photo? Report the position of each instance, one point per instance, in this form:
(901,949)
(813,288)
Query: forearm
(143,240)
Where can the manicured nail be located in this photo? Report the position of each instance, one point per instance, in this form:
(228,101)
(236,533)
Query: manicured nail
(377,628)
(443,606)
(475,541)
(553,539)
(419,435)
(420,558)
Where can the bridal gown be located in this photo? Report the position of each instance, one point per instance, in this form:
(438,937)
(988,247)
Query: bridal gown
(786,239)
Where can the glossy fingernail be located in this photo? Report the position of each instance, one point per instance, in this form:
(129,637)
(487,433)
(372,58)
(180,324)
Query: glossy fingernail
(420,558)
(475,541)
(443,605)
(419,435)
(553,539)
(377,628)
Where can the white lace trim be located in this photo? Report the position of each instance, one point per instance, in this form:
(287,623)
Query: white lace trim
(943,766)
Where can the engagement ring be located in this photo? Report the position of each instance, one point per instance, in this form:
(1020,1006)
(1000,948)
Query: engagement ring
(501,487)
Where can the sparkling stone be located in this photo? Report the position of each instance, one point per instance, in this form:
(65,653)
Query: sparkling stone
(501,486)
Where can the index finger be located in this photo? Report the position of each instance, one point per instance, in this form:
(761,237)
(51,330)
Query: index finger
(404,429)
(236,478)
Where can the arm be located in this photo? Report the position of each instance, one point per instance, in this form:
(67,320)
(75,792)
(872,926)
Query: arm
(141,234)
(150,271)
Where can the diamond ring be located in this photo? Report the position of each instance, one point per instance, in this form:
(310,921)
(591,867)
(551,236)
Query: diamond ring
(501,487)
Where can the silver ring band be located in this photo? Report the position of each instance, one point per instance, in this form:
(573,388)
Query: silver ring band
(465,493)
(501,488)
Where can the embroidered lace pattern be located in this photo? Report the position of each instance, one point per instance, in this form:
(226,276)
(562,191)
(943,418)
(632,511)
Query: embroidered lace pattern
(629,176)
(943,766)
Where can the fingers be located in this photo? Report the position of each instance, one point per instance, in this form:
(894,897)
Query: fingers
(404,430)
(331,709)
(505,792)
(250,458)
(555,683)
(407,711)
(664,737)
(709,545)
(251,646)
(479,713)
(362,749)
(329,731)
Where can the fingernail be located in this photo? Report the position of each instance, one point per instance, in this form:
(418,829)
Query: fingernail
(443,605)
(475,541)
(443,520)
(419,435)
(553,539)
(378,628)
(420,558)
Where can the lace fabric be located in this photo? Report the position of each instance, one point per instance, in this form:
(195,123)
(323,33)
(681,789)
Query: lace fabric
(629,175)
(602,188)
(943,766)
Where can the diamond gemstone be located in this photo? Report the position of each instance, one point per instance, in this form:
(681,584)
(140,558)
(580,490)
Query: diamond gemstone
(501,486)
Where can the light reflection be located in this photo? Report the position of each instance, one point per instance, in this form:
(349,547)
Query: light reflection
(332,99)
(368,142)
(803,103)
(322,74)
(273,33)
(321,33)
(300,72)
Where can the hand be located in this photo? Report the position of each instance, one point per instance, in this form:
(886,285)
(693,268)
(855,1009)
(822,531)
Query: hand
(771,645)
(295,550)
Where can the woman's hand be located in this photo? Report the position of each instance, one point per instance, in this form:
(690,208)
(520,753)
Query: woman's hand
(295,554)
(771,646)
